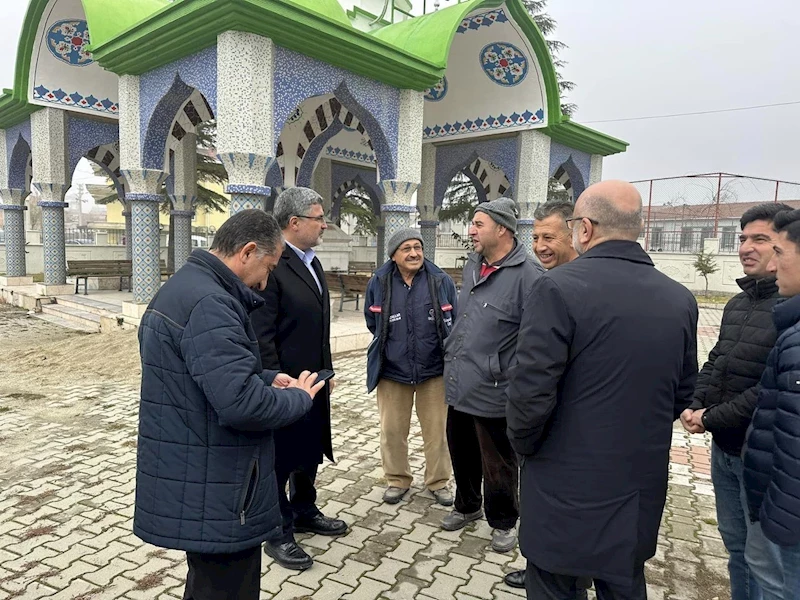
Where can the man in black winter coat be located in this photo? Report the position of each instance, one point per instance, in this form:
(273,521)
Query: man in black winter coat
(204,477)
(772,447)
(293,332)
(726,396)
(606,361)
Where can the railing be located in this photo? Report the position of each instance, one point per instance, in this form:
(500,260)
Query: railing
(84,236)
(688,241)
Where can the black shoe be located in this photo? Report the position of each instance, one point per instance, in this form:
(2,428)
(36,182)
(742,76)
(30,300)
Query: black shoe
(321,525)
(289,556)
(515,579)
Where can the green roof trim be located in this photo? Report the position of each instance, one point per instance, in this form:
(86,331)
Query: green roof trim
(14,106)
(108,19)
(584,138)
(187,26)
(431,36)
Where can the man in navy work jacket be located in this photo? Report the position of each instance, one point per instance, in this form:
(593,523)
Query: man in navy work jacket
(409,308)
(772,446)
(204,472)
(478,354)
(606,361)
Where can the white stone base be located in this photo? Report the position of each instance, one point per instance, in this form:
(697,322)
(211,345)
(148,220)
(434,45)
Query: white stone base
(134,310)
(49,289)
(15,281)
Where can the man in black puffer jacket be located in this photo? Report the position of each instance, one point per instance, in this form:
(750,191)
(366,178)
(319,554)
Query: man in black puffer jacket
(205,481)
(726,395)
(772,449)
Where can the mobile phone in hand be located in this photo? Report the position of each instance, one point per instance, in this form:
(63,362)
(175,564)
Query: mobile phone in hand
(325,375)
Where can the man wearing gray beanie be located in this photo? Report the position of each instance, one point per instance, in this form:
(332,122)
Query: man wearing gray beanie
(409,307)
(478,354)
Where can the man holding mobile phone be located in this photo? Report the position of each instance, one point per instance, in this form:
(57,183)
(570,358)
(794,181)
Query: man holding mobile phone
(293,331)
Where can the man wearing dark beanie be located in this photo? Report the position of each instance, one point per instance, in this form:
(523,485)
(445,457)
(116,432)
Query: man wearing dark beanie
(409,307)
(478,354)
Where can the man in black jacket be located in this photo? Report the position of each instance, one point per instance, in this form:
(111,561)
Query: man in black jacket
(606,361)
(727,391)
(204,477)
(293,332)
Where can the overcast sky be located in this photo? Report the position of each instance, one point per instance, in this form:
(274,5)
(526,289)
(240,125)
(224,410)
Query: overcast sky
(633,58)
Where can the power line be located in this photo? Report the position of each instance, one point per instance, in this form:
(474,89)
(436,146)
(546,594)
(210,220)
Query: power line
(702,112)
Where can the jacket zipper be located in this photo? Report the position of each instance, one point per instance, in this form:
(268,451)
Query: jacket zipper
(250,491)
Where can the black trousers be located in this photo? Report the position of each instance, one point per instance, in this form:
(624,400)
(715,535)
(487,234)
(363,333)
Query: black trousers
(300,503)
(481,452)
(541,585)
(223,576)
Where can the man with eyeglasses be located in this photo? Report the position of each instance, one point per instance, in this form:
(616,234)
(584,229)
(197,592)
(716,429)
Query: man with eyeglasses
(293,330)
(606,361)
(409,307)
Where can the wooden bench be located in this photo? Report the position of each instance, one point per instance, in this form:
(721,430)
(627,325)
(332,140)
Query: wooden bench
(353,287)
(83,269)
(356,267)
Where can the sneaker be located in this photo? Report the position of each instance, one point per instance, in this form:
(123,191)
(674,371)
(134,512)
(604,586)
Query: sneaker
(456,520)
(503,540)
(393,495)
(443,496)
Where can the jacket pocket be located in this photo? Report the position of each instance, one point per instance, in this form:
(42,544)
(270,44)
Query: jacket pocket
(494,368)
(249,490)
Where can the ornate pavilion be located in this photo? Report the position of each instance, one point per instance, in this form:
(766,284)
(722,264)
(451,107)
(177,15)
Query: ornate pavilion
(321,93)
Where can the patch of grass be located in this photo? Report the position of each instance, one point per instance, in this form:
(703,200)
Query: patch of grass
(38,532)
(157,553)
(38,277)
(150,581)
(713,297)
(77,447)
(116,426)
(710,521)
(88,595)
(50,573)
(130,444)
(53,469)
(4,409)
(34,500)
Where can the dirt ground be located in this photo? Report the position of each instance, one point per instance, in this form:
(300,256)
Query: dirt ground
(32,350)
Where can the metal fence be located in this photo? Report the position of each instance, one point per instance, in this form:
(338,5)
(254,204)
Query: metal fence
(84,236)
(681,212)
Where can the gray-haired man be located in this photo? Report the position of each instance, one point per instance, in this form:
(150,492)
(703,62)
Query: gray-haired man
(294,334)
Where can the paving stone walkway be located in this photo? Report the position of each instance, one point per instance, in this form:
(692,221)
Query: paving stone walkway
(67,475)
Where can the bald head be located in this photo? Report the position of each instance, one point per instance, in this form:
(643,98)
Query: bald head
(616,206)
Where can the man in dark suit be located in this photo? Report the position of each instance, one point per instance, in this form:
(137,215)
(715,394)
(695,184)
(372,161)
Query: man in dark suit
(606,361)
(293,330)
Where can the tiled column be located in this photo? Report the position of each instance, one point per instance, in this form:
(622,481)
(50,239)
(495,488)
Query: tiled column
(128,231)
(396,212)
(398,192)
(145,196)
(380,252)
(595,169)
(245,115)
(51,178)
(184,197)
(426,202)
(53,239)
(530,189)
(13,207)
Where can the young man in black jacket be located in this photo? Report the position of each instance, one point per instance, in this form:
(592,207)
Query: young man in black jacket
(726,395)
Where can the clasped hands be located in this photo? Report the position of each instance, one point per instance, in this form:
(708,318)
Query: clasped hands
(306,381)
(692,420)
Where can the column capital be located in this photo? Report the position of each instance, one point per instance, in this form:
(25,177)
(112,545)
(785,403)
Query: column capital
(182,203)
(182,213)
(51,194)
(14,196)
(257,190)
(246,169)
(429,224)
(144,184)
(10,207)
